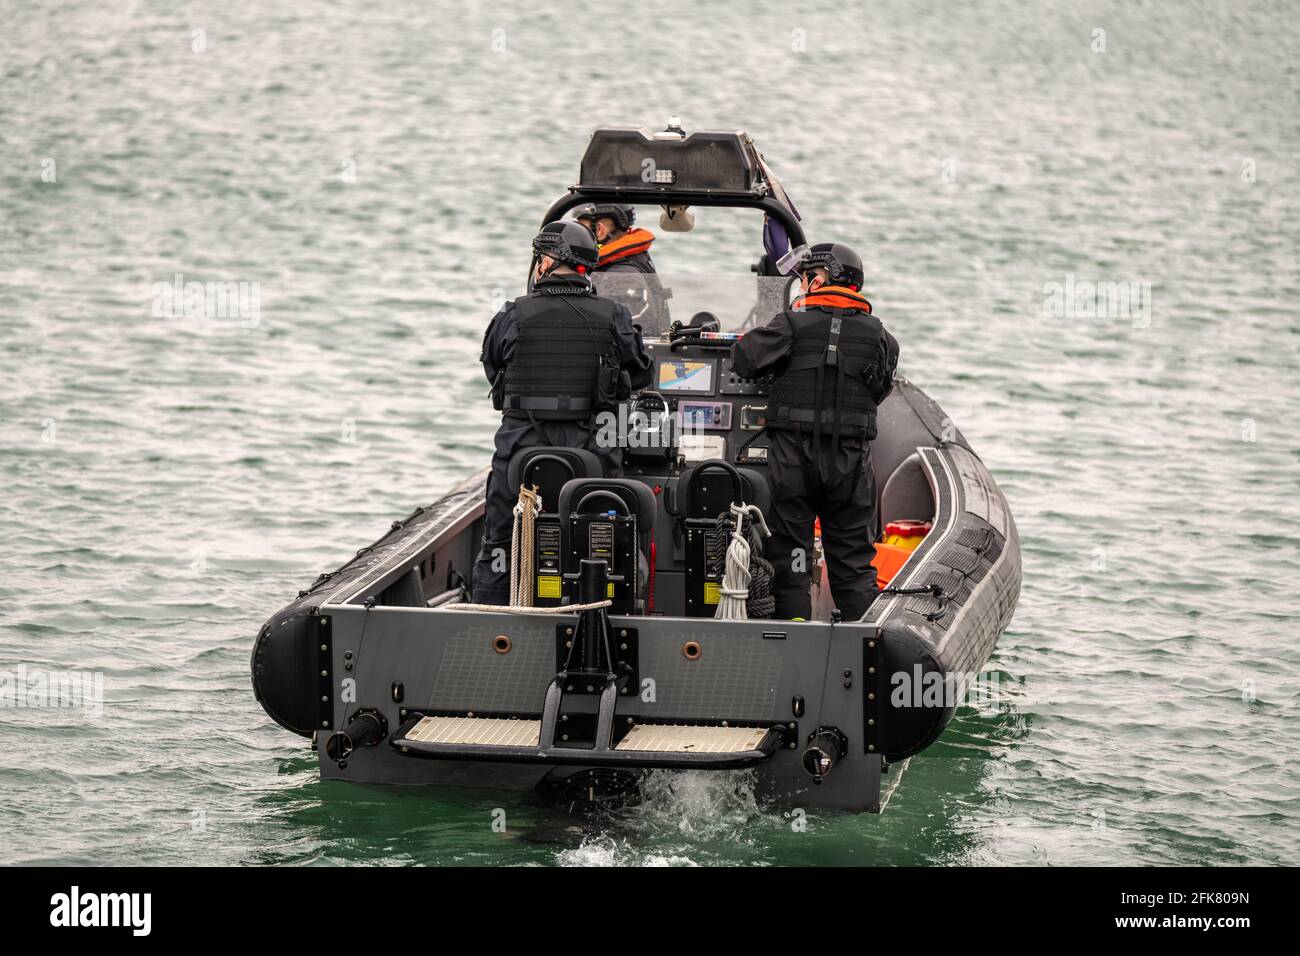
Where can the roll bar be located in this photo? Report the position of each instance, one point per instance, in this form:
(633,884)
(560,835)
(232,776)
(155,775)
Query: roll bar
(578,195)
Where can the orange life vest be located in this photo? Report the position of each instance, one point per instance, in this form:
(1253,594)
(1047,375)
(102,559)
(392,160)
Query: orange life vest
(833,297)
(631,243)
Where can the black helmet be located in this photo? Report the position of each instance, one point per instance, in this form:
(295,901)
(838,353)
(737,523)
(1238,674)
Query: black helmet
(569,242)
(842,264)
(623,216)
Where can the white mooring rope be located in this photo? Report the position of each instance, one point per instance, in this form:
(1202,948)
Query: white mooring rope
(734,602)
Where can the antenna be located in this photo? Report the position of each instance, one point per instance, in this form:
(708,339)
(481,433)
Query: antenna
(674,129)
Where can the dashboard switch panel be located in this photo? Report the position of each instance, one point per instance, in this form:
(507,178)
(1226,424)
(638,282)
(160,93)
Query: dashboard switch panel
(706,416)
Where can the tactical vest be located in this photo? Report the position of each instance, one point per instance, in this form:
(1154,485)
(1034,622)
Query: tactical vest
(827,380)
(563,333)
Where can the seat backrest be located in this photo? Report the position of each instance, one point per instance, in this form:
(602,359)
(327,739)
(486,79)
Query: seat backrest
(550,468)
(595,495)
(906,493)
(706,490)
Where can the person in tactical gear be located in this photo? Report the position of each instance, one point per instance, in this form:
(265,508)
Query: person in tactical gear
(833,363)
(555,358)
(625,271)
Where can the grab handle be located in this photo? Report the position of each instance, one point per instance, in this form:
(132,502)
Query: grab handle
(718,464)
(602,493)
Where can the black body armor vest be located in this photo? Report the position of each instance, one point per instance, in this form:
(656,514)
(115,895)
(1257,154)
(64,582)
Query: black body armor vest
(833,375)
(564,343)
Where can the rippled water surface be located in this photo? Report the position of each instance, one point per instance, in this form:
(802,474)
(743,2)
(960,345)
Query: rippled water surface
(377,170)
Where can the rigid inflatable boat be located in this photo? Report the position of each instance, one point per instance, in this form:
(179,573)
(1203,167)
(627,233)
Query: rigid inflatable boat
(614,663)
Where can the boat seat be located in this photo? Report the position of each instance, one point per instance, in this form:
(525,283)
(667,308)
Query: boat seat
(706,490)
(583,503)
(638,501)
(702,493)
(549,467)
(905,494)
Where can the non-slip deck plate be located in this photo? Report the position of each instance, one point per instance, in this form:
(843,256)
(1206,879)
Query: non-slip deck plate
(679,738)
(483,731)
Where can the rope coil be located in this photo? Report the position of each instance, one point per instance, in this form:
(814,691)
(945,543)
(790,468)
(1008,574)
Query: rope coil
(746,576)
(527,508)
(522,569)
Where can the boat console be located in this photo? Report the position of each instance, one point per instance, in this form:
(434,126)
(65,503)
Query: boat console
(712,411)
(713,452)
(694,445)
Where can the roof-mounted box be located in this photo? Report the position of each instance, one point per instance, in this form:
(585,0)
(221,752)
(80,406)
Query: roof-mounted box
(635,161)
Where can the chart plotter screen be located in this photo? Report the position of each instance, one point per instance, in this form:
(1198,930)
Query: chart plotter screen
(690,376)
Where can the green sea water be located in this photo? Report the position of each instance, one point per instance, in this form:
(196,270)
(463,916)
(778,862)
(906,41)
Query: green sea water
(373,173)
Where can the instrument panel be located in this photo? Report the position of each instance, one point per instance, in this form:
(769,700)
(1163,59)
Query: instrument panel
(686,376)
(716,413)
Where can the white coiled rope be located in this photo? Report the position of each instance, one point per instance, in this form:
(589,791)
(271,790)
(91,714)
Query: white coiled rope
(733,604)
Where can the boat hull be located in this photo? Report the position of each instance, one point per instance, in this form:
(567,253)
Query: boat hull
(363,637)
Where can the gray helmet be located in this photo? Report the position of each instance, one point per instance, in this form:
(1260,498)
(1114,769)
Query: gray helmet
(569,242)
(622,215)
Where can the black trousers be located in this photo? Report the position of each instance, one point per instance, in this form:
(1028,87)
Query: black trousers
(491,579)
(832,482)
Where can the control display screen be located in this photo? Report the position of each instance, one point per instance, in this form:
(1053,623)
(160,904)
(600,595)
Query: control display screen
(689,376)
(708,414)
(702,415)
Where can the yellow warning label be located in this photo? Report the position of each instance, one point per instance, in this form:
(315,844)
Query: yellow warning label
(548,585)
(609,591)
(712,592)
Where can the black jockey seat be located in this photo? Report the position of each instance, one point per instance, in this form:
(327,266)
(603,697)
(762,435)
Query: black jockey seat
(704,492)
(610,519)
(549,468)
(708,489)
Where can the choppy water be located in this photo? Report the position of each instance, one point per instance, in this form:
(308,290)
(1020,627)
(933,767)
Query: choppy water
(168,482)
